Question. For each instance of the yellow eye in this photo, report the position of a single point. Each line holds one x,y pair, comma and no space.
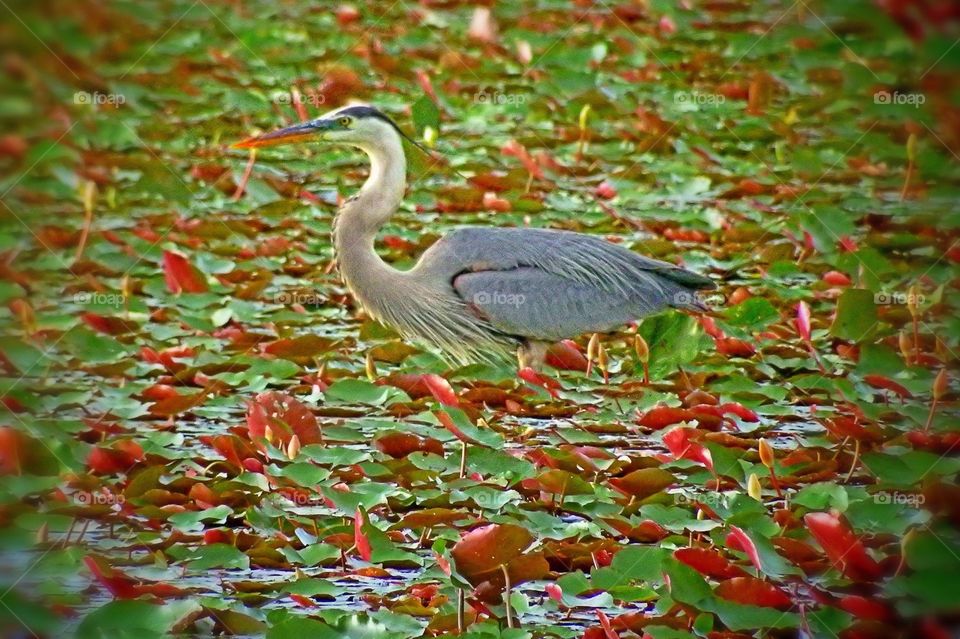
345,122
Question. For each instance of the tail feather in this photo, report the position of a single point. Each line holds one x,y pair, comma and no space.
688,279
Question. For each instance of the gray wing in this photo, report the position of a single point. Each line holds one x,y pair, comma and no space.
553,284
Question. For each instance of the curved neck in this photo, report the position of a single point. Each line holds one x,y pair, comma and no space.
363,214
358,220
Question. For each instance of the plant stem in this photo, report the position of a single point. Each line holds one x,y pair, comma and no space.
247,171
906,181
853,465
506,595
916,340
87,222
933,409
775,482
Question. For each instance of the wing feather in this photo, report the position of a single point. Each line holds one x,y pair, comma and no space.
584,258
532,303
550,284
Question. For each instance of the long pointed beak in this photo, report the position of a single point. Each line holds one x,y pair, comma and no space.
288,134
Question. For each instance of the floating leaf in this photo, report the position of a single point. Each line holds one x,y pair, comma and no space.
842,546
856,317
180,275
284,417
482,551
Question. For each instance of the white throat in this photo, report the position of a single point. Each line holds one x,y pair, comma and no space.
356,224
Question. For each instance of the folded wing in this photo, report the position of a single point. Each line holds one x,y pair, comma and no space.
548,284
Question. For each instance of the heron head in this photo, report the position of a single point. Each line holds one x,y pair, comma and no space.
356,125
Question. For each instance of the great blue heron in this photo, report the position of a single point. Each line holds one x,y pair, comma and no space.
479,290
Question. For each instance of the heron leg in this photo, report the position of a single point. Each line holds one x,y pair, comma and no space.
532,354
